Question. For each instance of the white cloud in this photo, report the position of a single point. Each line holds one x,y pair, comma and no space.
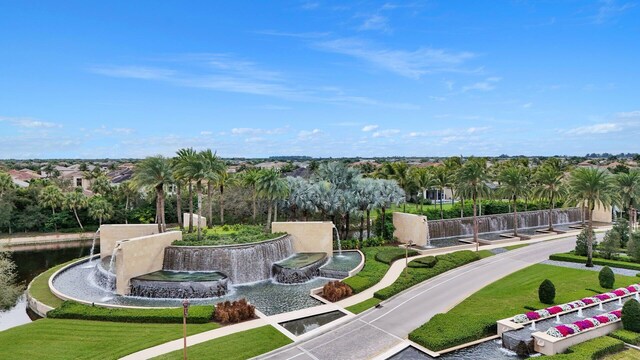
487,85
609,10
307,134
442,133
368,128
527,105
206,133
602,128
257,131
411,64
133,72
375,22
385,133
29,123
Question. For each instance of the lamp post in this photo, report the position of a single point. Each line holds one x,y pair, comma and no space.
185,313
406,256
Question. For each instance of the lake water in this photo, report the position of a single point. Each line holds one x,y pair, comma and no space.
30,264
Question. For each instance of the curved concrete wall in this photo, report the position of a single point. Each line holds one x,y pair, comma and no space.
110,234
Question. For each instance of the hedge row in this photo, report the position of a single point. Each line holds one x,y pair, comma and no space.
372,272
598,261
74,310
416,275
627,336
425,262
390,255
591,350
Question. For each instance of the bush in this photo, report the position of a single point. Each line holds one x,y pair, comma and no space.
631,315
416,275
546,292
336,290
425,262
389,255
610,244
630,337
74,310
604,262
387,234
581,242
234,312
372,272
633,246
591,350
622,228
606,277
227,235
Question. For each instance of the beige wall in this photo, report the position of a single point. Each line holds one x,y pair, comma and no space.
308,236
410,227
185,221
109,234
141,255
601,214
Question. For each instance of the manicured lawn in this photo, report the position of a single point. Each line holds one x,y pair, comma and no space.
513,247
242,345
629,354
476,316
364,305
373,270
591,350
411,207
54,339
570,257
40,287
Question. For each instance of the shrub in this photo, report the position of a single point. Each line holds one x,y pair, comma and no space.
10,289
633,246
622,228
591,350
631,315
606,277
581,242
387,234
630,337
234,312
336,290
372,272
227,235
425,262
547,292
610,244
74,310
389,255
604,262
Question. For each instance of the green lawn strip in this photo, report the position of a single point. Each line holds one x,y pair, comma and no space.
591,350
241,345
74,310
485,253
627,354
373,270
513,247
391,254
476,316
598,261
57,339
40,286
627,336
364,305
416,275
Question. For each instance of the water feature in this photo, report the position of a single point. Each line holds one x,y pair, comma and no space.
338,238
93,244
301,326
338,267
489,350
501,222
112,259
171,284
243,263
299,268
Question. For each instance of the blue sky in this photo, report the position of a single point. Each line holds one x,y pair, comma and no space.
259,78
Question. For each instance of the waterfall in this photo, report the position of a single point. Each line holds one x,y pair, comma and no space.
241,263
112,261
501,222
93,244
338,237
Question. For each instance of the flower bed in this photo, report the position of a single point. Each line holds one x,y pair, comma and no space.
562,331
553,310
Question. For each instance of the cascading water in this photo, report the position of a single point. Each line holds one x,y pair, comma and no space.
112,261
93,245
338,237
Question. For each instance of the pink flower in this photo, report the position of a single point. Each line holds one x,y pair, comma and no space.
532,315
564,330
603,319
554,310
618,292
587,301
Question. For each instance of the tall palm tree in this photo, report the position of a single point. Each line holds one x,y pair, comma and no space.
472,183
129,191
629,189
215,173
249,180
389,193
178,182
100,209
452,165
402,175
550,186
365,197
442,180
424,180
592,187
154,172
271,187
101,185
181,166
514,184
74,201
51,196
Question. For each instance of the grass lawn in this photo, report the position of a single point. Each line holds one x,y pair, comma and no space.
373,270
54,339
40,287
411,207
364,305
628,354
241,345
476,316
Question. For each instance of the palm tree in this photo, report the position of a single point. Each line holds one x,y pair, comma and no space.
215,173
101,185
549,180
451,167
51,197
629,189
592,187
100,209
365,197
514,184
182,160
249,179
401,174
129,192
389,193
74,201
424,180
178,181
442,180
472,183
271,187
154,172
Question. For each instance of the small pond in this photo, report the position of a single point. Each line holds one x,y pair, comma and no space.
301,326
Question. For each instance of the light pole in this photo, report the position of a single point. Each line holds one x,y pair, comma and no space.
185,313
406,257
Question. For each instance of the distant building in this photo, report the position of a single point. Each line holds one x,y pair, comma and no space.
23,177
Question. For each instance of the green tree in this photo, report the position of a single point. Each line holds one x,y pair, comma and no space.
547,292
581,242
403,177
549,185
629,192
442,180
591,187
606,277
472,184
631,315
514,184
9,290
249,179
633,247
424,180
101,185
154,172
100,209
610,244
181,170
271,187
51,197
74,201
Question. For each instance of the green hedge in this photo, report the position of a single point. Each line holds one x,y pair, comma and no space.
591,350
627,336
425,262
74,310
604,262
389,255
416,275
372,272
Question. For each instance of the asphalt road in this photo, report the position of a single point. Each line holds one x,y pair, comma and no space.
378,330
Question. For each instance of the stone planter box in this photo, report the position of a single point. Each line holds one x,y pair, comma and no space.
549,345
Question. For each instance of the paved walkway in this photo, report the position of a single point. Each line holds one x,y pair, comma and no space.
377,330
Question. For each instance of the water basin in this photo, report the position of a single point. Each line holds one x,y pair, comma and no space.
304,325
